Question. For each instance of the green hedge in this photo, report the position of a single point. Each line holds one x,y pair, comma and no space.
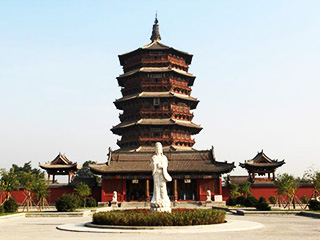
251,201
125,218
67,203
1,209
314,205
263,205
10,206
272,200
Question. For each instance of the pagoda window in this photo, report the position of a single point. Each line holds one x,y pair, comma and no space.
146,134
156,103
155,53
156,134
156,75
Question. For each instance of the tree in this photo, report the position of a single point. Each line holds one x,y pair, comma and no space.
41,192
245,189
28,180
82,190
234,190
287,186
313,176
85,171
9,182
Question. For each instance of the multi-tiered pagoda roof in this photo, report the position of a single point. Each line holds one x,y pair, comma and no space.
156,102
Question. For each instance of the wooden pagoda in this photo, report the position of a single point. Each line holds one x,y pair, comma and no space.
61,165
261,165
156,102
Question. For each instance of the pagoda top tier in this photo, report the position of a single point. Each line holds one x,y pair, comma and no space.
155,46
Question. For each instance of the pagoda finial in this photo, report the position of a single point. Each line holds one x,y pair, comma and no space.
155,30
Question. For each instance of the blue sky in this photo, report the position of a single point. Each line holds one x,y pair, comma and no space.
256,62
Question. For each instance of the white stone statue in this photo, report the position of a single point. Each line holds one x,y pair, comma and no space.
115,197
160,200
208,196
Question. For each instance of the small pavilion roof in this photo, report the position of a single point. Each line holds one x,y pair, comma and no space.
60,162
261,160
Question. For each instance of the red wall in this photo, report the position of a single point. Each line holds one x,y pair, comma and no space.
110,185
212,184
55,193
268,191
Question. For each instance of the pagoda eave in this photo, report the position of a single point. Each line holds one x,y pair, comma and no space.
155,46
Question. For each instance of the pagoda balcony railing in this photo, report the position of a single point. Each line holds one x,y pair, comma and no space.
155,111
155,139
144,139
155,60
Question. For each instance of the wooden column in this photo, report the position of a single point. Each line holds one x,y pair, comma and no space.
53,178
69,177
147,190
220,186
175,189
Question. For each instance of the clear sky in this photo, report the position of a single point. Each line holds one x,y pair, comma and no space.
256,62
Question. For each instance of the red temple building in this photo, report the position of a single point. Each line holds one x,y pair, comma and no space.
156,102
61,165
261,168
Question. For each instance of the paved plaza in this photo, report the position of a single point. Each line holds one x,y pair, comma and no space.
276,227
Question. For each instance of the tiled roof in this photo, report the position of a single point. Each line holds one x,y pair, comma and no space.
178,162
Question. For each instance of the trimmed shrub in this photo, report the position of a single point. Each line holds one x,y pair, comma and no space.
262,205
251,201
314,205
82,202
127,218
305,199
91,202
272,200
240,200
1,209
10,206
232,201
67,203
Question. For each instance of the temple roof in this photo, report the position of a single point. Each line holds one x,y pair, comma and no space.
190,161
156,69
156,121
261,161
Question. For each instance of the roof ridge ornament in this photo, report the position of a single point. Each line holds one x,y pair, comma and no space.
155,37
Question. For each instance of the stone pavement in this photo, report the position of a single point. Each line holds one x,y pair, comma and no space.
276,227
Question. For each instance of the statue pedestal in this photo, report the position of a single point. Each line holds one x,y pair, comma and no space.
114,204
160,209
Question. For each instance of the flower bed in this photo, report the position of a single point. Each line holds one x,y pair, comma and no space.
144,218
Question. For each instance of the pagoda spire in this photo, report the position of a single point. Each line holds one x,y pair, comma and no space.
155,31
